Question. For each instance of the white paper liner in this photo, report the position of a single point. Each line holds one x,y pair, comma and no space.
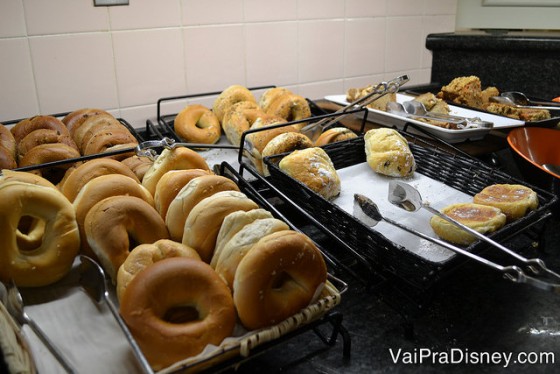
91,340
360,178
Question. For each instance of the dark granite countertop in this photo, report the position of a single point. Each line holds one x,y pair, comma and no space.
511,61
496,39
473,313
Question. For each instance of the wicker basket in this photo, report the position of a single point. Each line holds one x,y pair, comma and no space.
462,173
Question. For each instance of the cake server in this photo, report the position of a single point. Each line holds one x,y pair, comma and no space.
368,213
408,198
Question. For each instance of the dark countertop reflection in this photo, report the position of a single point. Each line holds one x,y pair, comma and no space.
471,314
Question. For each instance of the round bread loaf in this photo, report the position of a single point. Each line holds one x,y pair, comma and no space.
482,218
514,200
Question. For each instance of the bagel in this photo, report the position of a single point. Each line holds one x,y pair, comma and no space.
98,120
145,255
100,188
280,275
335,134
514,200
138,164
290,107
197,124
284,143
239,118
482,218
231,225
256,142
191,194
241,243
177,158
122,151
117,224
22,176
26,126
43,261
205,219
76,178
94,125
170,184
109,139
77,117
7,161
272,94
43,136
7,140
175,308
45,153
231,95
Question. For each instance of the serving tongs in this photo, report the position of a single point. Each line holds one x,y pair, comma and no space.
93,281
368,213
415,109
408,198
144,149
520,100
16,308
313,130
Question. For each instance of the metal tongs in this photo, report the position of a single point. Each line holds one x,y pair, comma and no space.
143,149
313,130
408,198
520,100
146,148
416,109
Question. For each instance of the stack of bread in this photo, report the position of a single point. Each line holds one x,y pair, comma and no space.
179,236
467,91
42,139
236,110
8,151
489,211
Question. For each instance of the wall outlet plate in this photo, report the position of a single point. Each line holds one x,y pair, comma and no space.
109,2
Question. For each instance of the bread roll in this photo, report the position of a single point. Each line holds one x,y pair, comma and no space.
388,153
482,218
314,168
514,200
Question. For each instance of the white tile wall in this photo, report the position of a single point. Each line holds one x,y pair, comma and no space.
61,55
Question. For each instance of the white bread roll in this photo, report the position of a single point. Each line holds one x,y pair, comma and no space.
387,153
314,168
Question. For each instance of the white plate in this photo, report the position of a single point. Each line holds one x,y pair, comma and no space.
448,135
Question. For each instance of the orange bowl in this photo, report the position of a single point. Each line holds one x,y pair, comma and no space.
535,146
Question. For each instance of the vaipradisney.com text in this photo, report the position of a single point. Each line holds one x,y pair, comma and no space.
463,356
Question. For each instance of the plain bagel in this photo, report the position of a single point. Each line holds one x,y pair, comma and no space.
280,275
175,308
205,219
